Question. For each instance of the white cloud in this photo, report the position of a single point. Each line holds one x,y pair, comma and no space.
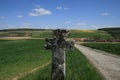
93,26
20,16
66,8
39,12
99,26
26,25
36,5
105,14
61,8
81,24
67,22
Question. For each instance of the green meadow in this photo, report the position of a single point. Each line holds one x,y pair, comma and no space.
19,56
77,68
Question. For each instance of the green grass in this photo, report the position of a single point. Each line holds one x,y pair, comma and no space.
113,48
24,55
21,56
115,32
77,68
34,34
15,34
41,74
42,34
89,33
48,33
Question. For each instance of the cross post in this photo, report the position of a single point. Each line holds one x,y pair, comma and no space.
59,44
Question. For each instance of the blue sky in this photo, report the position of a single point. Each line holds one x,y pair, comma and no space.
67,14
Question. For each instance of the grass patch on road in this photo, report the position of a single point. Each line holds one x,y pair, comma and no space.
113,48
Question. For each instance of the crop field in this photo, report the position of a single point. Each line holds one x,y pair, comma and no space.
34,34
89,33
18,56
113,48
115,32
42,34
48,33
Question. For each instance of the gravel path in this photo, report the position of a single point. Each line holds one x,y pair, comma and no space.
107,64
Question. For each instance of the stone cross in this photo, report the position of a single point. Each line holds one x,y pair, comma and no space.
59,44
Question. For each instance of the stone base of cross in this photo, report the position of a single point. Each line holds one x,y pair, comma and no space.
59,44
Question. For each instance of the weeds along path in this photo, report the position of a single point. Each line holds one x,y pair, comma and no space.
29,72
108,65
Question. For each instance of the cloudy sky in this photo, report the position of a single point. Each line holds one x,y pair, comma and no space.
68,14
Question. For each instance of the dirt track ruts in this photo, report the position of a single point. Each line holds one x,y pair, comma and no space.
107,64
33,70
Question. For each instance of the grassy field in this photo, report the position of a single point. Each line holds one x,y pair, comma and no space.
48,33
21,56
115,32
77,68
89,33
113,48
42,34
34,34
24,55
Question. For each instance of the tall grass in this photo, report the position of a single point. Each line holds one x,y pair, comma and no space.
77,68
24,55
113,48
21,56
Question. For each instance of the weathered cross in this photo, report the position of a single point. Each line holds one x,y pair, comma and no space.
59,44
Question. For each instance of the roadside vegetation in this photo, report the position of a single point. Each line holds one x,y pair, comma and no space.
77,68
113,48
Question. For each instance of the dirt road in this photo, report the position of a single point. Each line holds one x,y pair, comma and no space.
107,64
